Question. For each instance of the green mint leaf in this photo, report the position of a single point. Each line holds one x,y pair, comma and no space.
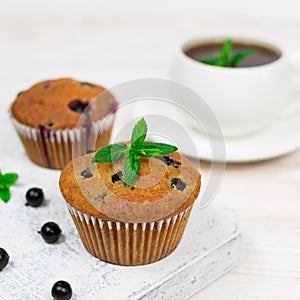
8,179
241,55
226,52
224,59
139,133
131,169
132,151
138,148
5,195
213,60
110,153
153,149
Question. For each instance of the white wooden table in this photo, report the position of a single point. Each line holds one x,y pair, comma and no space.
113,41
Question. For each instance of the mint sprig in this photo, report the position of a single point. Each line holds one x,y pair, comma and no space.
131,169
111,153
241,55
225,58
138,148
6,181
152,149
139,133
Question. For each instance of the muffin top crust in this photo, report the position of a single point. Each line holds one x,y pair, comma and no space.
165,187
59,104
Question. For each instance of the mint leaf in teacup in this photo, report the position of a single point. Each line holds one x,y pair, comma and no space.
225,58
241,55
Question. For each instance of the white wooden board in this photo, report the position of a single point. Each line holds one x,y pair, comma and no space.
208,249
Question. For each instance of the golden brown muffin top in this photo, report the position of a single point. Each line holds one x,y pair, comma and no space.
166,186
58,104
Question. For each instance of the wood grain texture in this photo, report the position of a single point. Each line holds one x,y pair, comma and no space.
266,198
111,42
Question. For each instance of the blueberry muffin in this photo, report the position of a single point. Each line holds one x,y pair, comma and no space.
63,118
130,225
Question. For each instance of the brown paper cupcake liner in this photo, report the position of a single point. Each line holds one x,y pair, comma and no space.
129,244
55,148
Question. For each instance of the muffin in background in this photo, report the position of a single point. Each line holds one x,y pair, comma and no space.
130,225
63,118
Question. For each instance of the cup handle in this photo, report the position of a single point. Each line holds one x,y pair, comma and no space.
295,104
295,63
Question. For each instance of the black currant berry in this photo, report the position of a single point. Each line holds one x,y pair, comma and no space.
86,173
117,177
4,258
178,183
78,105
169,161
34,197
61,290
86,83
50,232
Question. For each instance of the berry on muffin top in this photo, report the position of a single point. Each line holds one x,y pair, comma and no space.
58,104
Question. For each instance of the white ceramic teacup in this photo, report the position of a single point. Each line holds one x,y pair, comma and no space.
245,99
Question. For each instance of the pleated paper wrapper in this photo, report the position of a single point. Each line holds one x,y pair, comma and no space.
55,148
129,244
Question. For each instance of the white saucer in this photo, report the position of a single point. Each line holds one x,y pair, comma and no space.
282,137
